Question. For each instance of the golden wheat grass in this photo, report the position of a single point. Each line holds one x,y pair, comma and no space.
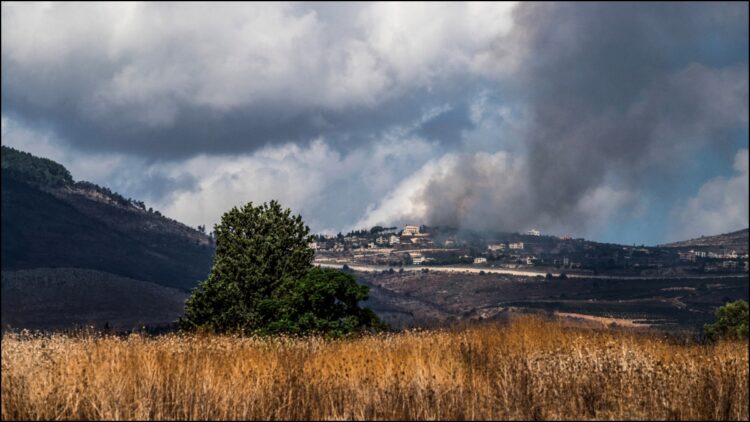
528,370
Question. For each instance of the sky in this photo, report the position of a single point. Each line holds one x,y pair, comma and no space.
618,122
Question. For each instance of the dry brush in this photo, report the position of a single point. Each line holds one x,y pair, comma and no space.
529,370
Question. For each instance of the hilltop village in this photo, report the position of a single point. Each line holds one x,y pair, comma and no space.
530,250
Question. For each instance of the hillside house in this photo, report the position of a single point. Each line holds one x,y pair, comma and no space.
416,258
410,230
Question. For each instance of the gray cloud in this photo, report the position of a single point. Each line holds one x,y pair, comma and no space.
168,81
484,115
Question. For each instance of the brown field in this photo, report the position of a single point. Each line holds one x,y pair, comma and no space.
529,370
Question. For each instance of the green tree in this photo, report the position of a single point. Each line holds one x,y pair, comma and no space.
731,322
257,248
261,273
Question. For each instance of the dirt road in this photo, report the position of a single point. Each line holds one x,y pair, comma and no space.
523,273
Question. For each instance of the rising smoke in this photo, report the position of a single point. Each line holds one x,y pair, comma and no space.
618,94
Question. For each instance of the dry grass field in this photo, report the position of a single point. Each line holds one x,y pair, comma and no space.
529,370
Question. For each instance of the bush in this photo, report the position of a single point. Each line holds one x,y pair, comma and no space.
731,322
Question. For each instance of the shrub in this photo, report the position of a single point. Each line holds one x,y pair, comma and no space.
731,322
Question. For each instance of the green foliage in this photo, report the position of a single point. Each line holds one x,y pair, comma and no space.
731,322
324,301
39,171
262,280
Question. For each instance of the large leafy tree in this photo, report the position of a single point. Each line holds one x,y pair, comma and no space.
263,281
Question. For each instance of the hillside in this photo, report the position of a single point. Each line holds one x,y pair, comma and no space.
737,241
50,221
66,297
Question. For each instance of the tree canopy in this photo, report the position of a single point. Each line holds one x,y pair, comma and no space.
731,322
263,280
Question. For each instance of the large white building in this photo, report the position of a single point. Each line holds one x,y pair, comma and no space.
533,232
480,260
496,247
410,230
518,245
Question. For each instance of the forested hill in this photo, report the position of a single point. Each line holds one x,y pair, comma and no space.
51,221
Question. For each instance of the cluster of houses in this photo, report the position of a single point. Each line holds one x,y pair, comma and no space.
416,246
730,260
419,245
694,255
495,247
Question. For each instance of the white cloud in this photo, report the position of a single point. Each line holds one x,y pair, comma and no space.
328,188
720,205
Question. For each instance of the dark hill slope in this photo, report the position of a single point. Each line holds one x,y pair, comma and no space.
50,221
63,298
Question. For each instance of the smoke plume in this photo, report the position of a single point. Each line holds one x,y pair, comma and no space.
618,96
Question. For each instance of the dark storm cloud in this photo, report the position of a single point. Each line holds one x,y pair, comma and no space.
615,90
160,81
202,130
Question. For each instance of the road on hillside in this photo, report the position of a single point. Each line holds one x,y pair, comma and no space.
523,273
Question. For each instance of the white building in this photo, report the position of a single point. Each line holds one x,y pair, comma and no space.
496,247
381,240
394,240
416,258
480,260
518,245
533,232
410,230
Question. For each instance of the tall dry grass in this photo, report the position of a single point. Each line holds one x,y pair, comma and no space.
529,370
